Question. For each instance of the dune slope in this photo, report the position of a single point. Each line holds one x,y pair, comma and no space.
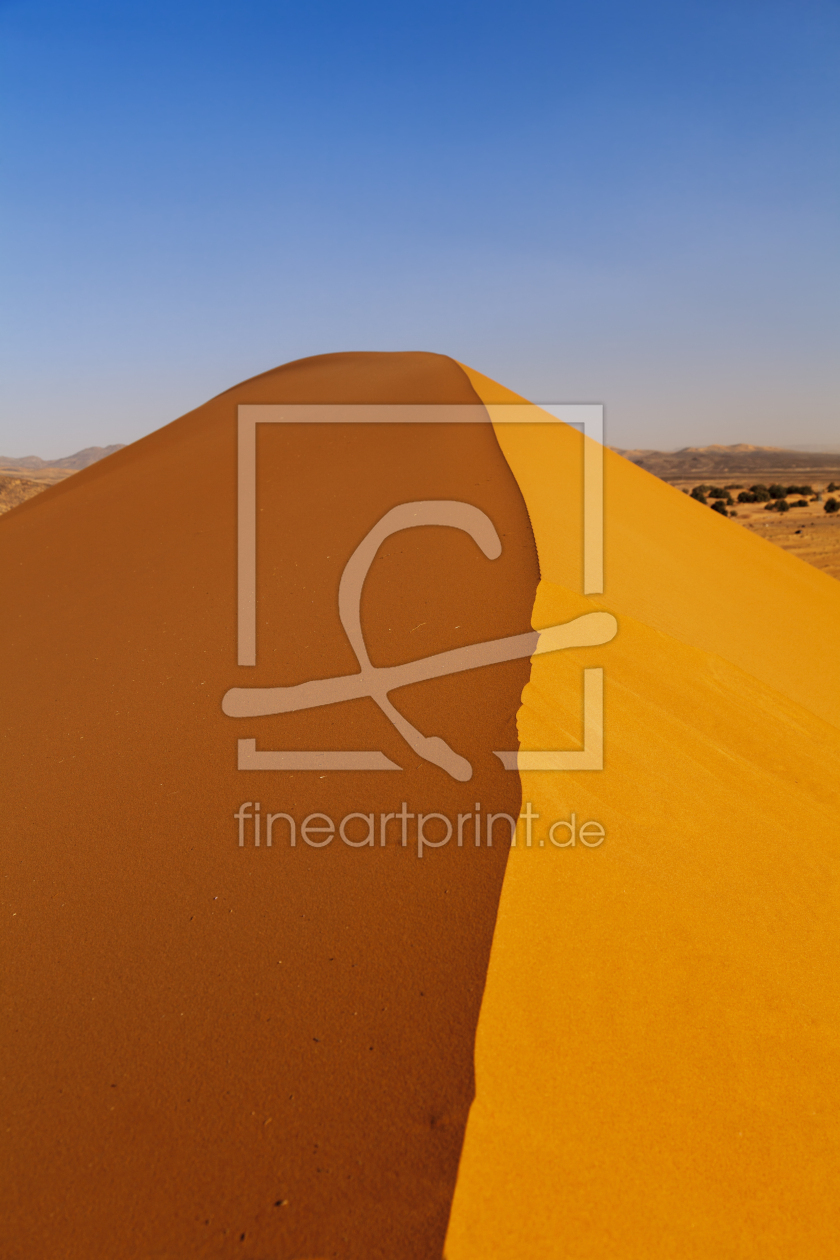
260,1052
658,1052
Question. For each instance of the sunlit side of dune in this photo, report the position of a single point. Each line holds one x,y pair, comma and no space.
657,1059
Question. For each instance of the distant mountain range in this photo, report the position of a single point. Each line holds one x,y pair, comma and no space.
689,461
742,458
21,479
34,463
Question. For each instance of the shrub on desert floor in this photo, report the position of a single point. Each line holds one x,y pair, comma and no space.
831,505
720,506
698,494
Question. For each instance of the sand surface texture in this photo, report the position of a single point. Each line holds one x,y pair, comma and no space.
246,1052
658,1053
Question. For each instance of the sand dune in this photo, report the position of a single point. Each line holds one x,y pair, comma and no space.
215,1050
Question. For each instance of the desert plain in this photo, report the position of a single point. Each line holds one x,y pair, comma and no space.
810,533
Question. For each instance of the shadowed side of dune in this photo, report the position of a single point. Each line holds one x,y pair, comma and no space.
221,1050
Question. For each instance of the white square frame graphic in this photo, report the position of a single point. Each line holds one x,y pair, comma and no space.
587,417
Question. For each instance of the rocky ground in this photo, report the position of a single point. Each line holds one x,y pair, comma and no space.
15,490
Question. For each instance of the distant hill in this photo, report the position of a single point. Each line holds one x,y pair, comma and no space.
742,458
90,455
40,473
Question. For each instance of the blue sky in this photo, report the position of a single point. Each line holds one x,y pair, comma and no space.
635,204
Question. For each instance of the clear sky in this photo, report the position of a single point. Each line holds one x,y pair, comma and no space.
630,203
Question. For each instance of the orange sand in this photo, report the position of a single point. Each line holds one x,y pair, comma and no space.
224,1052
657,1062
